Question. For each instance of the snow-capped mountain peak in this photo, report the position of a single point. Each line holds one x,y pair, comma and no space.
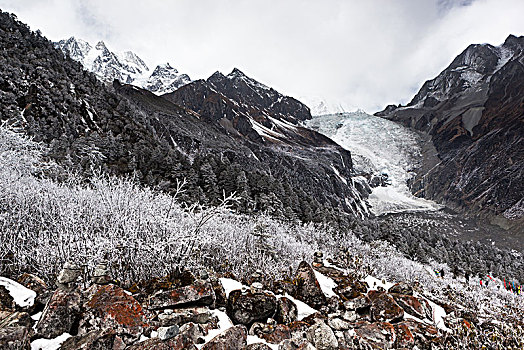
126,66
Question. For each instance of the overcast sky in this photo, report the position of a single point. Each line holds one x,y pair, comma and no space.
362,53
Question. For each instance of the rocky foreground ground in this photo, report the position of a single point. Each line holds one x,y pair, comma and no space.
320,307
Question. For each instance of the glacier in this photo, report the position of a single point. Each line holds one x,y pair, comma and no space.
381,148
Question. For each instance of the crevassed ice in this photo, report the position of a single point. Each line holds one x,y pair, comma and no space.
379,146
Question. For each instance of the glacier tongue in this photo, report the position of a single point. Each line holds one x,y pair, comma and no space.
381,148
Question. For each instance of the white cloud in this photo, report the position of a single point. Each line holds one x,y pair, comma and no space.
364,53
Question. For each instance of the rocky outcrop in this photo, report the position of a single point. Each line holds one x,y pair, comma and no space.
307,288
246,308
61,314
233,338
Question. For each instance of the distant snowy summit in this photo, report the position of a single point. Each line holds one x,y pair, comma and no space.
126,66
321,106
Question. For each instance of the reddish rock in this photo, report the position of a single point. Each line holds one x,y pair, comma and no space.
233,338
421,332
307,287
199,293
384,308
110,307
60,315
405,338
401,288
33,282
274,334
428,309
250,307
379,334
349,289
314,318
410,304
287,311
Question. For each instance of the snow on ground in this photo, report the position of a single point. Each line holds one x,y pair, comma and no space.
224,323
253,339
22,296
230,285
374,283
49,344
304,310
326,284
438,314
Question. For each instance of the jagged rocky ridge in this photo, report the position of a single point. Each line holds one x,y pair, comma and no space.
474,114
126,67
219,138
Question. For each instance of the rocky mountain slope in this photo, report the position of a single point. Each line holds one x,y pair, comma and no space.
224,135
126,66
474,114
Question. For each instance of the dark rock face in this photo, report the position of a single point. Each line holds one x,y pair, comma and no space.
411,305
61,314
401,288
287,311
248,308
384,308
380,334
200,293
15,338
6,300
231,339
474,113
94,340
307,287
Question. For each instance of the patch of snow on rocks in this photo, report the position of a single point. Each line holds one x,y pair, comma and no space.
304,310
326,284
230,285
49,344
22,296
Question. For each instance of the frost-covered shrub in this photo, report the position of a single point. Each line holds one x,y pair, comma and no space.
146,233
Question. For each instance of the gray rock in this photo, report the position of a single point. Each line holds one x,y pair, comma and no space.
248,308
232,338
322,337
165,333
62,312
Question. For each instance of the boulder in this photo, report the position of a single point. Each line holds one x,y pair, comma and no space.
177,343
349,289
404,337
220,293
384,308
6,300
15,338
246,308
292,344
322,337
43,293
60,315
287,311
14,319
401,288
271,334
379,334
233,338
411,305
165,333
198,293
178,317
257,346
339,324
110,307
423,333
96,339
307,288
357,303
194,332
